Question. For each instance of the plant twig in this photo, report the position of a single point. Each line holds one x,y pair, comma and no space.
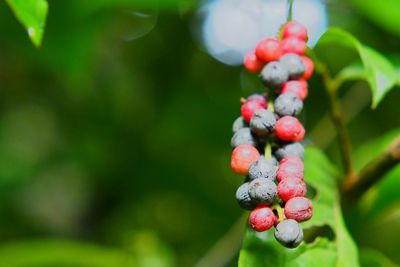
290,10
374,171
226,247
331,86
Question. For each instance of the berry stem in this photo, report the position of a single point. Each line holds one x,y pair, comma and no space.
290,10
268,151
374,171
331,87
226,247
279,210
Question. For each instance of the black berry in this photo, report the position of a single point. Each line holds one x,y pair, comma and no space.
290,149
243,198
238,124
289,233
262,191
243,136
288,104
262,168
293,64
274,74
263,122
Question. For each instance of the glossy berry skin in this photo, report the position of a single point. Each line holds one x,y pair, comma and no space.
298,208
288,105
295,29
238,124
263,122
291,187
262,191
243,198
289,128
291,149
242,157
297,87
252,63
289,233
243,136
274,75
309,67
262,168
268,50
249,107
262,218
290,169
294,65
293,45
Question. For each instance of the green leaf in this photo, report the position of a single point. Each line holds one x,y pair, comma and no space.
385,15
32,14
374,258
374,68
261,249
395,59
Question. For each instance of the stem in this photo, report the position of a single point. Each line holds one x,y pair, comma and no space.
290,10
331,87
226,247
374,170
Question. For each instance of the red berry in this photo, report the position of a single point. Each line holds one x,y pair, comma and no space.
269,50
290,167
293,45
299,209
293,159
295,29
289,128
252,63
242,157
309,67
291,187
298,87
249,107
262,218
258,98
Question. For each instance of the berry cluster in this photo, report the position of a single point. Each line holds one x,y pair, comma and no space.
266,141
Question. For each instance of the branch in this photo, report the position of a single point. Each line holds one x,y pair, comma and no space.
290,10
226,247
331,87
374,170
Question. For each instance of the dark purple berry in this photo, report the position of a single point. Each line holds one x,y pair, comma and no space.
291,149
262,191
293,64
238,124
243,198
243,136
263,122
262,168
288,105
289,233
274,74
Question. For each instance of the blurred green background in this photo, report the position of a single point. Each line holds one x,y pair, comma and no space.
116,152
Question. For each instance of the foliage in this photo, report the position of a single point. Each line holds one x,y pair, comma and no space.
32,14
374,68
261,249
118,149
